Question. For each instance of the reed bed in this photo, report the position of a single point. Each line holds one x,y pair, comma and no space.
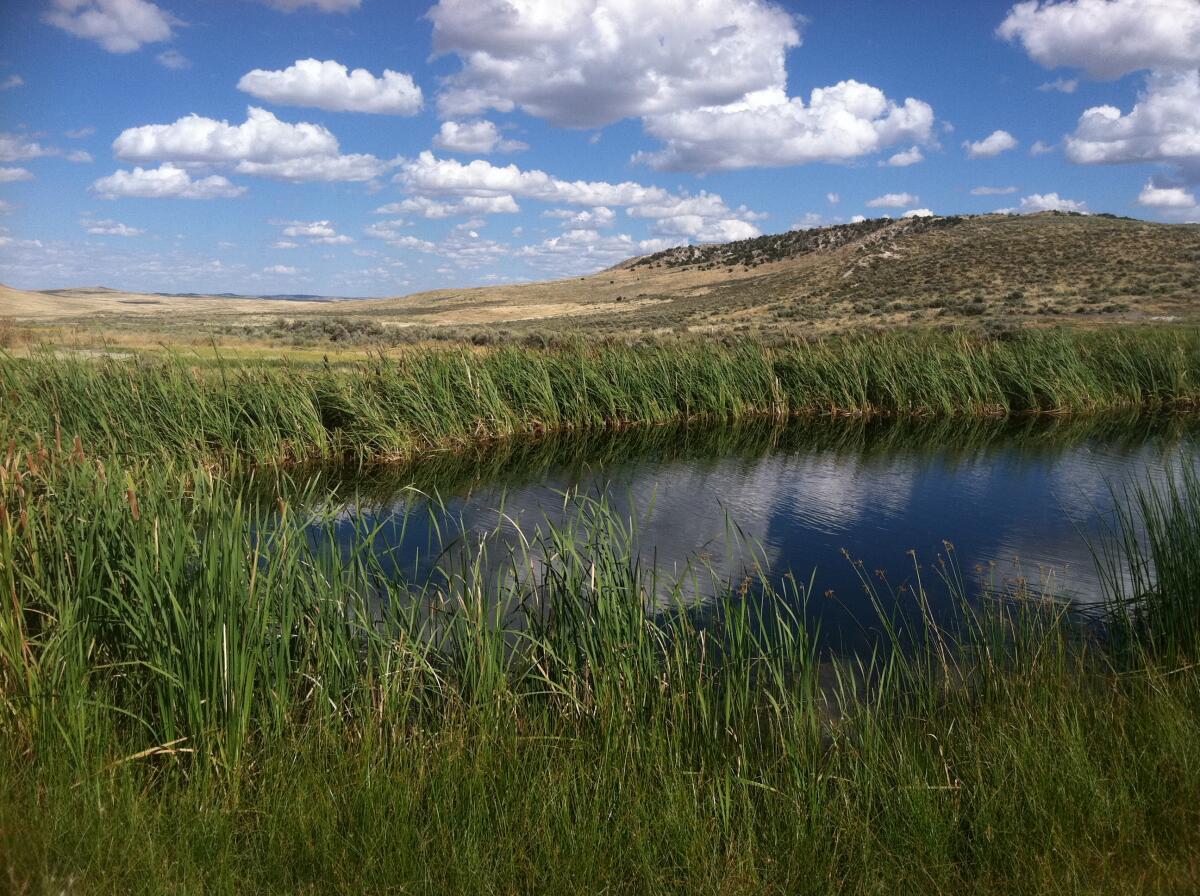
423,400
205,693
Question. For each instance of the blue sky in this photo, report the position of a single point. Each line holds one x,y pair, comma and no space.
364,147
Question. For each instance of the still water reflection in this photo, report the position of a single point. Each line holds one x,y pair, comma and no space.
1018,500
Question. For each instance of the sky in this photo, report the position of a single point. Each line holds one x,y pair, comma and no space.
381,147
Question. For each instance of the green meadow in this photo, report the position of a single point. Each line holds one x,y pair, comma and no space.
202,690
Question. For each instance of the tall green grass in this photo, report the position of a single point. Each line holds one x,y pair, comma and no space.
446,398
203,693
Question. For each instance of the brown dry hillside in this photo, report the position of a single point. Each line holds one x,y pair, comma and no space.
987,270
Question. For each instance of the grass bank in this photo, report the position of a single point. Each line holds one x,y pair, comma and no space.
198,694
398,407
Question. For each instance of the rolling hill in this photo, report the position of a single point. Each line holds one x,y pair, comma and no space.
982,271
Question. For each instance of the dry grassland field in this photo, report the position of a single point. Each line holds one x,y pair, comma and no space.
989,273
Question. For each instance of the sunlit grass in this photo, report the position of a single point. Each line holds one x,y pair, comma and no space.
190,408
202,692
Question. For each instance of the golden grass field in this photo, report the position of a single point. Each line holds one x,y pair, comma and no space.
987,271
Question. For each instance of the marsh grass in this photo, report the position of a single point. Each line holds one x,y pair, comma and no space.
204,693
446,398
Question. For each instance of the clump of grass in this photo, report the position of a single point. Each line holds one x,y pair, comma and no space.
258,707
432,399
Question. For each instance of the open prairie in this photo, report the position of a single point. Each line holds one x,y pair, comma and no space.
997,272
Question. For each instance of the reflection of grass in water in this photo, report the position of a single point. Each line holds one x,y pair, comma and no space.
515,462
394,408
195,698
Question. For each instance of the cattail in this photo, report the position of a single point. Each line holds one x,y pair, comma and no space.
78,452
131,497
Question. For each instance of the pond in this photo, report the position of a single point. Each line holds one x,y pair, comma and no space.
1005,503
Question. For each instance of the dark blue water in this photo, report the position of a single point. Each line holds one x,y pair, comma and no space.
1006,505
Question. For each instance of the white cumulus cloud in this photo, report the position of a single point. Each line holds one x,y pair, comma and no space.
429,207
893,200
1163,126
318,232
119,26
475,137
194,138
588,63
164,182
906,157
706,77
1107,38
1166,197
917,213
1175,203
19,148
331,86
842,122
1046,202
990,146
263,146
10,175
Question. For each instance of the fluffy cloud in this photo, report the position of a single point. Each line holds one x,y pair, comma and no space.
1041,148
430,175
587,219
261,138
1175,203
262,146
768,128
1047,202
1107,38
907,157
990,146
321,233
917,213
428,207
354,167
588,63
119,26
993,191
390,233
19,148
893,200
476,137
164,182
1163,126
707,77
444,187
110,228
279,269
583,250
9,175
11,81
1166,197
331,86
703,218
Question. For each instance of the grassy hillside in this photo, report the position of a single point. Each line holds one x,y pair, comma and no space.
987,272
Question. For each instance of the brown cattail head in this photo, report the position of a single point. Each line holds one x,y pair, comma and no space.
134,510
